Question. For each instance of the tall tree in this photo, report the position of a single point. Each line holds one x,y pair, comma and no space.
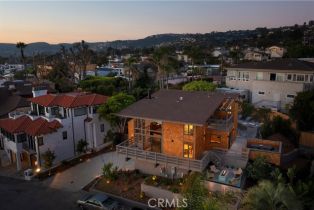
302,110
131,70
22,46
113,105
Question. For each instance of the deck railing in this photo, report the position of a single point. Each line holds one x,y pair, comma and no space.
131,151
221,124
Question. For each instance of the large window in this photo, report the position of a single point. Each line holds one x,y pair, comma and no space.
80,111
259,76
272,77
187,150
280,77
21,138
55,111
300,77
215,139
188,129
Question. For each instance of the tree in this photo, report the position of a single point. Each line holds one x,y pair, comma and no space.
246,109
279,125
48,157
60,75
267,195
302,110
22,46
199,86
81,146
165,64
259,169
195,192
131,70
114,105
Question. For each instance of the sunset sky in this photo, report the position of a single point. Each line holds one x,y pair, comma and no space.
57,22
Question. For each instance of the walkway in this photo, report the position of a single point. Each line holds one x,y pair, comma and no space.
75,178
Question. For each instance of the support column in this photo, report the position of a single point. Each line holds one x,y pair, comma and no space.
18,161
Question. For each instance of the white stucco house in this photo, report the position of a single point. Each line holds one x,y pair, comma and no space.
272,84
56,122
275,51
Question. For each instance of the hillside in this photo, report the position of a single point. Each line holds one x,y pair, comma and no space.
260,37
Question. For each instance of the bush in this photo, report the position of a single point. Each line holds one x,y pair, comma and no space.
259,169
81,146
48,158
247,109
110,172
114,137
199,86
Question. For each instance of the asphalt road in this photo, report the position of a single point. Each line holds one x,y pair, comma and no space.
24,195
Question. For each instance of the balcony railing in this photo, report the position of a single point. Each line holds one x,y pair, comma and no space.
221,124
130,150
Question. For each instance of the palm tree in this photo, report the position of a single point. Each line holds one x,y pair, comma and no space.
22,46
164,62
268,196
131,70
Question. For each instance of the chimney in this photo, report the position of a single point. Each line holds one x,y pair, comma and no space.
39,91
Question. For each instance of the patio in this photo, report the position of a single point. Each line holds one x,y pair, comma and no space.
225,175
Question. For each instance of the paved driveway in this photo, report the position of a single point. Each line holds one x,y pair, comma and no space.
75,178
24,195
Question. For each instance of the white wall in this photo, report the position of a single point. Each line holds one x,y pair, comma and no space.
63,149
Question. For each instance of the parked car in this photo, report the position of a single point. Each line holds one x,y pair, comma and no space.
97,201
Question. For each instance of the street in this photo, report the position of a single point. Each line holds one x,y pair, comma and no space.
24,195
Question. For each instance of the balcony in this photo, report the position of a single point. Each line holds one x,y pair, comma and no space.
130,150
221,124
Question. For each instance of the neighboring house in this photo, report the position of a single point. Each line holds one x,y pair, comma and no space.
43,71
173,131
275,51
24,88
56,122
255,56
272,84
10,102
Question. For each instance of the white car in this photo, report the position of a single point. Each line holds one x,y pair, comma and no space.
96,202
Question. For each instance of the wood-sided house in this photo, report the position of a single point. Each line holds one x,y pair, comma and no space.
174,130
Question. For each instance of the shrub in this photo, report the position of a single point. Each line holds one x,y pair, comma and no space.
81,146
110,172
259,169
48,158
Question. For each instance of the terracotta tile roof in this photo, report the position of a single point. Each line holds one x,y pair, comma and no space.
25,124
70,100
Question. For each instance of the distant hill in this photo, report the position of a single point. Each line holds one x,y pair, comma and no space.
260,37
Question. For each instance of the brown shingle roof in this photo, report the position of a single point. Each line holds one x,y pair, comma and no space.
279,64
194,108
9,102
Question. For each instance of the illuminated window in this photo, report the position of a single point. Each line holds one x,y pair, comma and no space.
187,150
188,129
215,139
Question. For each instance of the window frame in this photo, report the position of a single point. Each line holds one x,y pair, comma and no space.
189,131
64,135
189,150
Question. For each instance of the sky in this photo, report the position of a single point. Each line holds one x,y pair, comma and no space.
61,22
